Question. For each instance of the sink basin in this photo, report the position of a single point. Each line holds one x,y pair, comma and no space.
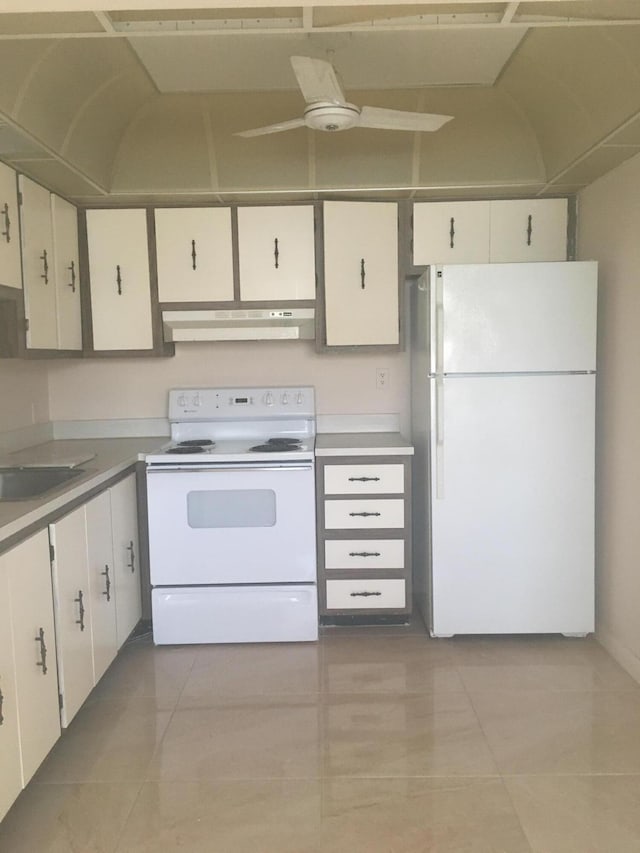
19,484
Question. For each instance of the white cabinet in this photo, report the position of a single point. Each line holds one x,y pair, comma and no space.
10,261
276,248
102,591
64,217
38,266
361,273
194,253
34,645
119,279
478,232
10,773
126,562
529,230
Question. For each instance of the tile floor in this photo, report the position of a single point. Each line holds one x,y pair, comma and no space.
372,741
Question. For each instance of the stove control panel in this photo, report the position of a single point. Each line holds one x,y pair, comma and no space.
236,403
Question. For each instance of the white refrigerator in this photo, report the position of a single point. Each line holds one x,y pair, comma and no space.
503,399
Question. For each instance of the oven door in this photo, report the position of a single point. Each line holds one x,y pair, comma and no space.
230,524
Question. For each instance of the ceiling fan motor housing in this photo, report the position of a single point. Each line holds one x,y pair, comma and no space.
324,115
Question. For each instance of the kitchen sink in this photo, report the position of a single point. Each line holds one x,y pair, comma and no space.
19,484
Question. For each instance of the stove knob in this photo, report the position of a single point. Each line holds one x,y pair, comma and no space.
299,398
182,401
285,399
196,400
268,399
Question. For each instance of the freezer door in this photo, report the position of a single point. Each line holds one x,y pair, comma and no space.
512,505
506,318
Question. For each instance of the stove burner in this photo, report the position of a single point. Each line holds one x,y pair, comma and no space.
197,442
284,440
189,448
275,445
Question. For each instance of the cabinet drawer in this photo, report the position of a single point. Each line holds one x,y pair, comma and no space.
365,514
364,554
363,479
365,594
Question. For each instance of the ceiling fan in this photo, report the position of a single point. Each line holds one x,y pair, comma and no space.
328,109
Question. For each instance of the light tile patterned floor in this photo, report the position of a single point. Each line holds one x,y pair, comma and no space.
371,741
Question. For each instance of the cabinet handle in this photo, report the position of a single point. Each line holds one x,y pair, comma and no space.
529,229
45,266
364,479
452,232
132,564
7,223
364,514
79,601
362,273
118,279
276,253
364,553
193,254
107,582
1,707
43,651
363,594
72,270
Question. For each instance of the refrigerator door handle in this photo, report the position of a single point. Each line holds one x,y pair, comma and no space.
439,329
439,422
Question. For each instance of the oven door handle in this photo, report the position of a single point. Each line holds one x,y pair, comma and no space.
212,469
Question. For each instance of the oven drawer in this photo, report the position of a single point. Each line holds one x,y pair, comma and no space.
366,594
364,554
363,479
351,514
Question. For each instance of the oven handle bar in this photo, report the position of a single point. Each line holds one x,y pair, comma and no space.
208,469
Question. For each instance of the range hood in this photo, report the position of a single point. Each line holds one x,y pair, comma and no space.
251,324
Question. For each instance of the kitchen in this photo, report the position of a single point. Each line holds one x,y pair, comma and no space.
135,389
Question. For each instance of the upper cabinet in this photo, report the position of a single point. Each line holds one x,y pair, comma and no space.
194,253
276,247
477,232
50,265
10,265
361,279
119,279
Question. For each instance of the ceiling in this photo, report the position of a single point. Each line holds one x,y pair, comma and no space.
140,104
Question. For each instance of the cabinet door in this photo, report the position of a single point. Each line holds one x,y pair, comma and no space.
101,583
34,646
120,284
10,774
124,517
39,267
451,232
72,611
194,251
10,261
277,253
529,230
64,217
361,273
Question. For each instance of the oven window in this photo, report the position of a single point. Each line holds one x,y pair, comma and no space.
232,508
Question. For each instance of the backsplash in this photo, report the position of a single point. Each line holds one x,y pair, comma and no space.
24,403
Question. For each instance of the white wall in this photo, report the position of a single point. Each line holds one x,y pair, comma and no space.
609,225
24,397
137,388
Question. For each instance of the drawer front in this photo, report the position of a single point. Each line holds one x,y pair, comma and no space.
364,554
363,479
365,594
372,514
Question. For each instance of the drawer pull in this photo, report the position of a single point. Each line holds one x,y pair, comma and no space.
364,479
365,514
363,594
364,553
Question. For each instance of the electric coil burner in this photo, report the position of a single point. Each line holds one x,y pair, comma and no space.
232,518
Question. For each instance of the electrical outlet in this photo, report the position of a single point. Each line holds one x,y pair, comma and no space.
382,377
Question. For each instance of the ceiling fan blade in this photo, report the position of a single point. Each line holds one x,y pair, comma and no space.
272,128
381,119
317,80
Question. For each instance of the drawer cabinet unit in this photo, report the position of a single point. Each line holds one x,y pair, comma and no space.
10,261
364,540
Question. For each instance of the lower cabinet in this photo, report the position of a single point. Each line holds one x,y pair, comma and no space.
30,693
102,590
126,561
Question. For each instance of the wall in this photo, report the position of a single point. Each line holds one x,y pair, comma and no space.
137,388
24,402
609,223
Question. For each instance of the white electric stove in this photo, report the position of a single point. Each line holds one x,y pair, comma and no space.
232,518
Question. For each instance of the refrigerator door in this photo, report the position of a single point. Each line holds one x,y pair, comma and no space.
509,318
512,505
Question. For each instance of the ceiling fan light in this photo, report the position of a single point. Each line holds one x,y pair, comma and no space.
331,117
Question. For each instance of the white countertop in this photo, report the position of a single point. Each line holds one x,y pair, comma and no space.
362,444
